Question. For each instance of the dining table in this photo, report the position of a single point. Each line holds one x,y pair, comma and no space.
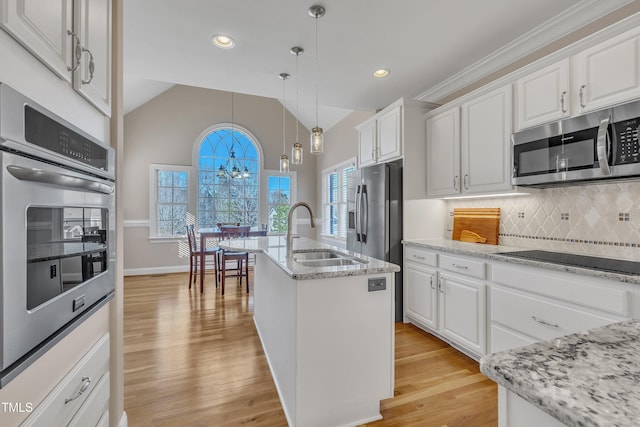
216,233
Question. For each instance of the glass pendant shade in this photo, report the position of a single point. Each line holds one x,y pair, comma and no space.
245,172
317,144
284,163
296,154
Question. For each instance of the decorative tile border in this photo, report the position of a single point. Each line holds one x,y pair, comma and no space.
565,240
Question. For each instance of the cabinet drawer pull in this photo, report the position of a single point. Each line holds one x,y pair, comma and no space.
86,382
542,322
418,257
431,282
582,88
440,280
465,183
464,267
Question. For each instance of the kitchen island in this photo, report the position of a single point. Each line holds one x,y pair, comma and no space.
327,331
590,378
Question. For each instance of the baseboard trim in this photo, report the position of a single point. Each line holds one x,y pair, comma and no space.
156,270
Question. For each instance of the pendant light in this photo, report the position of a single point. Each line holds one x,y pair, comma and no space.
232,169
296,148
284,159
317,143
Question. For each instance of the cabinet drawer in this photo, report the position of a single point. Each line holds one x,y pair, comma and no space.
60,406
541,319
463,266
96,405
421,256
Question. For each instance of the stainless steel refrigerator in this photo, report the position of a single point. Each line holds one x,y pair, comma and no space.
374,203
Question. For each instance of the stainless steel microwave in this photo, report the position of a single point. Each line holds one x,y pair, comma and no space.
599,145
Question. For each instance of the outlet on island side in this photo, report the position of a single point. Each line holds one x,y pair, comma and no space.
377,284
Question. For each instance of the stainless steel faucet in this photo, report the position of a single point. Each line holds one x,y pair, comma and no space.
289,235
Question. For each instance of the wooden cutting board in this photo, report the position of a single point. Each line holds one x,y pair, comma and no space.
482,221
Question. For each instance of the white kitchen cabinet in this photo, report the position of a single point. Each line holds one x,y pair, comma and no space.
447,297
468,151
93,77
367,144
543,96
443,153
485,142
82,397
42,26
530,304
421,280
71,37
608,73
381,137
389,132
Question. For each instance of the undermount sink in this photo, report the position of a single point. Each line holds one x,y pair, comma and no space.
325,258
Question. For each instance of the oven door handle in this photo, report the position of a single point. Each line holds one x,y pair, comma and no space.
59,179
603,146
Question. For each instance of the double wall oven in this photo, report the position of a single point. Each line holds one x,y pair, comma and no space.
57,226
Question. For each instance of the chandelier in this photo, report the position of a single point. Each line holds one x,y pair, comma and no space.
231,168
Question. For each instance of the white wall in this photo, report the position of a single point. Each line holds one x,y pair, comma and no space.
165,130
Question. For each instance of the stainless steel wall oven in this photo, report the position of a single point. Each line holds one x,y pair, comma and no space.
57,226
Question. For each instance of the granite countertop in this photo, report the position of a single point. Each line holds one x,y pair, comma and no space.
590,378
274,246
492,252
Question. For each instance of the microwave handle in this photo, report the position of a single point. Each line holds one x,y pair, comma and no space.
603,146
59,179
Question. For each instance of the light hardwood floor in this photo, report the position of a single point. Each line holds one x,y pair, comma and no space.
196,360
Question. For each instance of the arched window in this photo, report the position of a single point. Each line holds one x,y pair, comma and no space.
228,178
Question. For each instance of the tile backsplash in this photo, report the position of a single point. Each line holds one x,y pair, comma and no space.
594,218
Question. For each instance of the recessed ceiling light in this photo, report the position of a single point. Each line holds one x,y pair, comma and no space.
222,41
382,72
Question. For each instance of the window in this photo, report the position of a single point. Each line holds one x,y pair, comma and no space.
228,181
334,196
169,200
280,194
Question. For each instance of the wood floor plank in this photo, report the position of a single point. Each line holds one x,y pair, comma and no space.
196,360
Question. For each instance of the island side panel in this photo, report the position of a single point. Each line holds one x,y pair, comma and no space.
345,350
275,318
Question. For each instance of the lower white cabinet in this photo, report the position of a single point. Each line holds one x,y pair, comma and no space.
82,397
421,281
530,304
463,311
450,304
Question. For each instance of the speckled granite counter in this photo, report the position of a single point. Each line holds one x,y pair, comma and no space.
493,252
590,378
274,246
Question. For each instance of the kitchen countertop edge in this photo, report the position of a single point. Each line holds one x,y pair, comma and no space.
274,247
491,252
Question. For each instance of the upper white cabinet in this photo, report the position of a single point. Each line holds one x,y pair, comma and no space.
382,137
608,73
443,153
543,96
71,37
468,151
598,77
367,143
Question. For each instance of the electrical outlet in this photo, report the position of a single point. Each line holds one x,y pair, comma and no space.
377,284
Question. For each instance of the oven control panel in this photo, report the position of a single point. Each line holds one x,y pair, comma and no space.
627,146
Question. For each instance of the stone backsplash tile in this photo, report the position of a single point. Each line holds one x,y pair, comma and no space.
591,218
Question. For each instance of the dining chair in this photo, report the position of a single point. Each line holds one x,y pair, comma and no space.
194,257
241,258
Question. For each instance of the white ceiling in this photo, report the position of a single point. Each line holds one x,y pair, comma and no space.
422,42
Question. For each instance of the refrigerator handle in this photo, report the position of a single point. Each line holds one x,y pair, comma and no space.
358,213
365,226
